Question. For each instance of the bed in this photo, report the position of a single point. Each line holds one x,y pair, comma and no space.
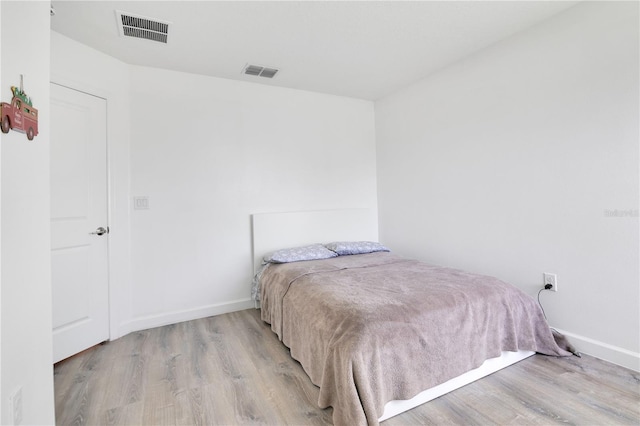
380,334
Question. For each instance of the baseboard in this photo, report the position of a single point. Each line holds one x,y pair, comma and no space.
586,345
604,351
158,320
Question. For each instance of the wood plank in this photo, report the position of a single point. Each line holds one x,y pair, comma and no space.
232,369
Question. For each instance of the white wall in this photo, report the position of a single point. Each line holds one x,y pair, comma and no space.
26,352
506,163
1,393
82,68
210,152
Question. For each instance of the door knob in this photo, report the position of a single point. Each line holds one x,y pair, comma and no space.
100,231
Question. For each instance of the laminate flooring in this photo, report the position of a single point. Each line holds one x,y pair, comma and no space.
231,369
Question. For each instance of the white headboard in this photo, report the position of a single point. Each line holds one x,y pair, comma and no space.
274,231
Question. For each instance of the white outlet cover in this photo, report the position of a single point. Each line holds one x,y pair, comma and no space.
551,279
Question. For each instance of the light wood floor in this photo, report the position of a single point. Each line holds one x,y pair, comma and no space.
231,369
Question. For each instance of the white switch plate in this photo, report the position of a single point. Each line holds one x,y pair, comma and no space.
141,203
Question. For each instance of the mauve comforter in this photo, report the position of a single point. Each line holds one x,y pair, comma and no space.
373,328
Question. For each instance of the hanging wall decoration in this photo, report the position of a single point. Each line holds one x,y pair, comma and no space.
20,114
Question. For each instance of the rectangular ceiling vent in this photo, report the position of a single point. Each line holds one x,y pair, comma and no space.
130,25
260,71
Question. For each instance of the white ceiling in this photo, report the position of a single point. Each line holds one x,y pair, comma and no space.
361,49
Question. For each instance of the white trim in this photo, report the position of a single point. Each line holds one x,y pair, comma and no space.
90,90
158,320
79,86
118,208
610,353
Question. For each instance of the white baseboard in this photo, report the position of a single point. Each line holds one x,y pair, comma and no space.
604,351
586,345
158,320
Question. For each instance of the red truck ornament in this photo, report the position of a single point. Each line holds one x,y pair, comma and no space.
20,114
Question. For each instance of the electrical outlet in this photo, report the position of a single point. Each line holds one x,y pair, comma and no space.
551,279
15,401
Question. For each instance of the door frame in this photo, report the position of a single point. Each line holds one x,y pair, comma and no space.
118,203
107,194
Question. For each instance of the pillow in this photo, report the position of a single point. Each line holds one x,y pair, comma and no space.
355,247
296,254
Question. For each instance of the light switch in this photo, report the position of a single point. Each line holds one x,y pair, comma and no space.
141,203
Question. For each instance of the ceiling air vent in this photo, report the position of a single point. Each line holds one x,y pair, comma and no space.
137,26
260,71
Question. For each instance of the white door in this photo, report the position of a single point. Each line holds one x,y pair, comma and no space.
79,263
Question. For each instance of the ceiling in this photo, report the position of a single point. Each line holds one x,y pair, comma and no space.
361,49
